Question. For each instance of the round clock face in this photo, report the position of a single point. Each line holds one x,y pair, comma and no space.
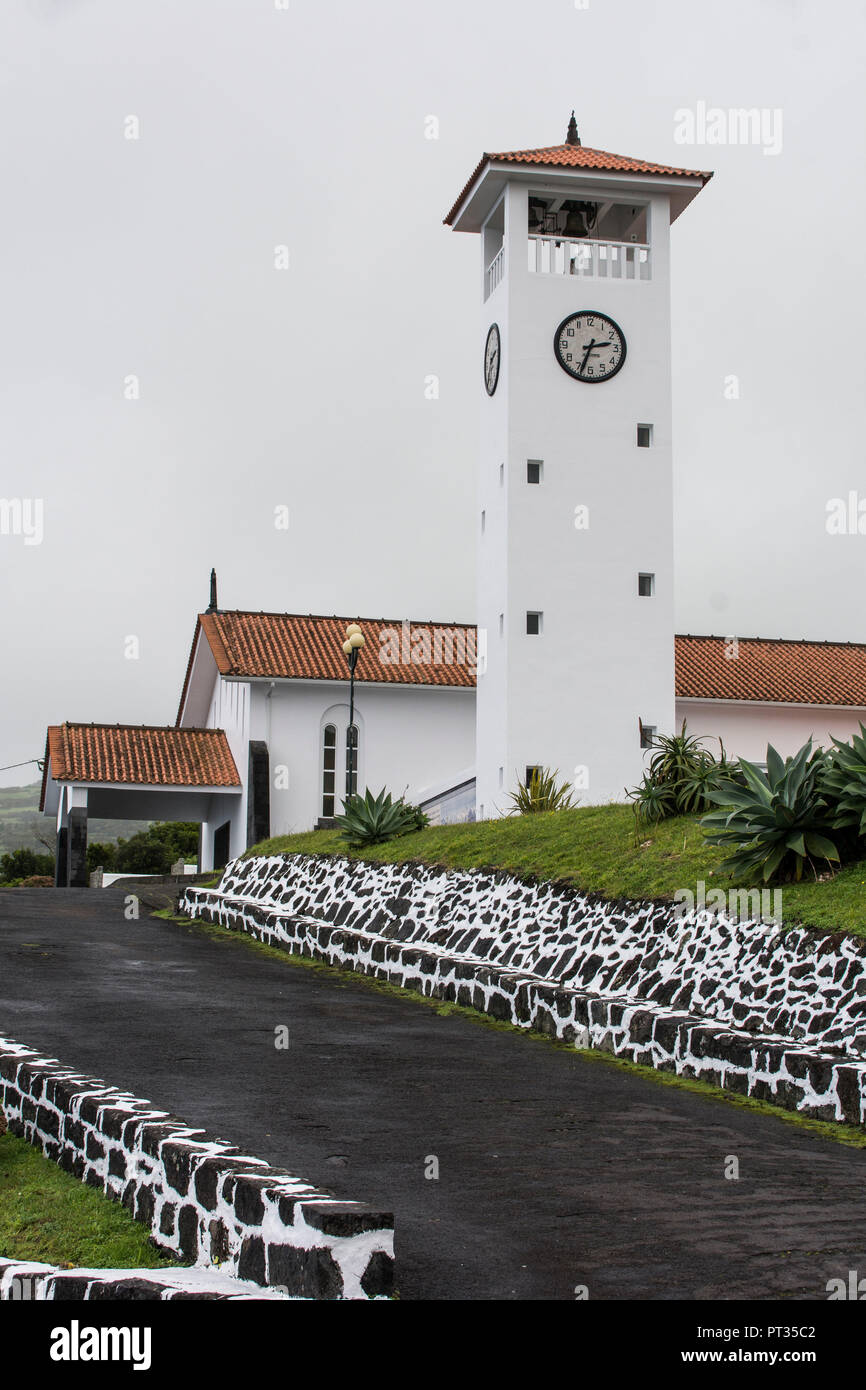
491,359
589,346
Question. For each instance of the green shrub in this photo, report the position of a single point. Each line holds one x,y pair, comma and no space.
154,850
180,838
368,819
419,819
540,794
775,821
101,856
25,863
678,779
653,801
845,784
142,855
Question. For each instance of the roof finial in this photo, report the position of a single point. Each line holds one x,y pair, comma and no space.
572,137
212,606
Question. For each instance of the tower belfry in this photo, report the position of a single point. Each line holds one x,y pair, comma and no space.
575,525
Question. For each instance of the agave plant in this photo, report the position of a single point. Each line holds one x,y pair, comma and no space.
677,756
540,793
653,801
678,778
776,821
369,819
845,783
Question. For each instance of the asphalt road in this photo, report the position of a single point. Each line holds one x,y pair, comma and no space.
554,1171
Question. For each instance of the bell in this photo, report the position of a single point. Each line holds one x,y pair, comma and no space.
582,218
575,225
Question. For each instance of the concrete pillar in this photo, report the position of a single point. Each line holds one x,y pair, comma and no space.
60,860
77,876
222,845
258,793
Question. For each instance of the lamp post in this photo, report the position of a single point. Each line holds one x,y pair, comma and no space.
352,648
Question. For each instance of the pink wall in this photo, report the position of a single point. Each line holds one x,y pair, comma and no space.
747,729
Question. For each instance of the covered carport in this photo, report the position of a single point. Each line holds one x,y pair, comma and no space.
132,772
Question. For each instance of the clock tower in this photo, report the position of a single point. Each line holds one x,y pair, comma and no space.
574,518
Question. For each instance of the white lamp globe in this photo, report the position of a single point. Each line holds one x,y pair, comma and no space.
347,647
357,639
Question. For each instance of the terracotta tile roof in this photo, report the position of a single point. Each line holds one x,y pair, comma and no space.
139,756
806,673
292,646
576,157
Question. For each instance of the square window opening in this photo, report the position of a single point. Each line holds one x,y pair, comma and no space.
534,624
646,585
534,470
644,436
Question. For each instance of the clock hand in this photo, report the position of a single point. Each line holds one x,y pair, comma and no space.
590,349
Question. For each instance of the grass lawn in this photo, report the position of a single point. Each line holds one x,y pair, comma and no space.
48,1215
596,849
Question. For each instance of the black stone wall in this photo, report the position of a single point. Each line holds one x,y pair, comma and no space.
202,1199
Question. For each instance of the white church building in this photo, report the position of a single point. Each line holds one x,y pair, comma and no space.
574,664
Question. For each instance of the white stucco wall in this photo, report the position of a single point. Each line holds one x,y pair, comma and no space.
573,696
408,736
229,709
746,729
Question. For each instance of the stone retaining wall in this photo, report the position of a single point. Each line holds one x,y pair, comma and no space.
202,1198
779,1016
24,1281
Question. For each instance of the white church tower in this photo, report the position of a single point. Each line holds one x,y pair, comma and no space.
575,525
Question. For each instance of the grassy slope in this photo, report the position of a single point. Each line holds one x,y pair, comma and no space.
48,1215
595,848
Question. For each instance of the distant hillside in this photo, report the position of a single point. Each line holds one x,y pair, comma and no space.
22,826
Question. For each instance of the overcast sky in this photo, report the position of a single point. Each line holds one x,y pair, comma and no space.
259,387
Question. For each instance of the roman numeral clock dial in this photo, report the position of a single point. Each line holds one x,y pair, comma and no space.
589,346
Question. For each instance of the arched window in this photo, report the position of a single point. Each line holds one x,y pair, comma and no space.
352,738
329,768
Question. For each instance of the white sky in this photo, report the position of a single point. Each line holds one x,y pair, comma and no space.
306,127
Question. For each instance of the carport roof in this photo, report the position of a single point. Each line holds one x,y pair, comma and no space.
138,756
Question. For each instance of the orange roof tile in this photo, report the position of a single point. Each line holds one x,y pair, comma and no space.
776,671
292,646
577,157
139,756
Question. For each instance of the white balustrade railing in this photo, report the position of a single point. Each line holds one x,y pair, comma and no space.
494,273
613,260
